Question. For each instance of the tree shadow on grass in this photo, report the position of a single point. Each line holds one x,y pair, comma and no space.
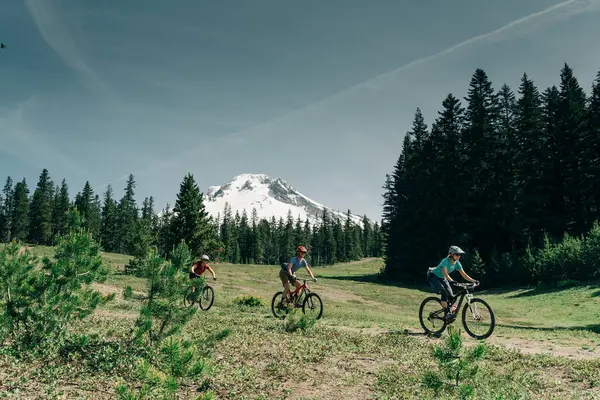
591,327
553,289
376,278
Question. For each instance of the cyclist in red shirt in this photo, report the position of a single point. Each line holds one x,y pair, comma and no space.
199,267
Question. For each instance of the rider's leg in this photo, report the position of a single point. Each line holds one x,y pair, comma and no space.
298,285
285,281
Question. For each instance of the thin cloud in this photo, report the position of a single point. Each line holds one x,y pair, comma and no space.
59,38
548,15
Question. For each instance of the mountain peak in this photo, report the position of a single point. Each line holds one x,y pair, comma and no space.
270,197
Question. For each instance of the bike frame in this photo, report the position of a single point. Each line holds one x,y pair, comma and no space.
304,288
463,293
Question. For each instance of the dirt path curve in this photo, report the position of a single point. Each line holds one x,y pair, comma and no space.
525,346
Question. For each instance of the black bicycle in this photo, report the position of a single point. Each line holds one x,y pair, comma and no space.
310,302
477,316
204,298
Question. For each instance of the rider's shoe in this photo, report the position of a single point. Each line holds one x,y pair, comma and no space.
449,317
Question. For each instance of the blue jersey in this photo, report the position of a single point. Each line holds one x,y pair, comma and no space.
296,265
449,266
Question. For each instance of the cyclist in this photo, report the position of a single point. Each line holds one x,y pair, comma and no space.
199,267
440,281
287,274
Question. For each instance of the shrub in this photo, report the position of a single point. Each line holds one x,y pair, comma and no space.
39,304
455,365
163,312
249,301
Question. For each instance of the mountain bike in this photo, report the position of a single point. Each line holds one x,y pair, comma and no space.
478,312
310,302
204,299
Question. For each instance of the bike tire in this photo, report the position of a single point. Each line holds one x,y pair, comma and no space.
444,323
315,299
211,299
492,324
275,302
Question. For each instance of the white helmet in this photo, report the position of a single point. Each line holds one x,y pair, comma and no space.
455,250
204,257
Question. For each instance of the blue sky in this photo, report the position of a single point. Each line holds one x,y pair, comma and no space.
319,93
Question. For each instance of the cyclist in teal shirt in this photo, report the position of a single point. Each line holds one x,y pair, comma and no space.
439,278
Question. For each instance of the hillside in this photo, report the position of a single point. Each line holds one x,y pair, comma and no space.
367,345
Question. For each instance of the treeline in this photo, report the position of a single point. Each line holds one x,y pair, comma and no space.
122,226
511,178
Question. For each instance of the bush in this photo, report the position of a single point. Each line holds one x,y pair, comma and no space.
163,312
249,301
455,366
39,304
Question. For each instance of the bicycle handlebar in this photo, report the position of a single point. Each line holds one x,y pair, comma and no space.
469,285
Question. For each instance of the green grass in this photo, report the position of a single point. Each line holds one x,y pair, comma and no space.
359,349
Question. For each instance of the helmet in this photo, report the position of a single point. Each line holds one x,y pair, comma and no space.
455,250
204,257
302,249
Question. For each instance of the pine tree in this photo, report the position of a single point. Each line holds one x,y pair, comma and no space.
592,154
529,148
88,205
571,122
257,254
367,237
245,239
190,222
447,207
480,141
377,242
109,225
40,210
552,174
127,216
165,238
20,213
6,209
61,207
226,234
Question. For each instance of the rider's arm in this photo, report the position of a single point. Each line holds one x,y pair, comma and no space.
445,273
211,271
290,265
309,271
467,277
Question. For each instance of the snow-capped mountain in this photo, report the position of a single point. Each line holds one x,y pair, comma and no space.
270,197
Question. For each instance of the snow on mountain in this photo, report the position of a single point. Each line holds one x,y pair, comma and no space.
270,197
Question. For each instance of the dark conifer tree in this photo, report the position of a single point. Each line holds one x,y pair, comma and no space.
6,209
19,227
61,207
190,221
40,210
572,125
109,229
592,154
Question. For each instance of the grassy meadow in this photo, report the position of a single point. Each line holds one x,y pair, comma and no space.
367,345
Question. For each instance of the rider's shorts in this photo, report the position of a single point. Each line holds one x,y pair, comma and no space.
440,285
285,278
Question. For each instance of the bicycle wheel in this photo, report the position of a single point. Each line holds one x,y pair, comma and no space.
431,312
207,298
313,304
279,309
189,298
483,320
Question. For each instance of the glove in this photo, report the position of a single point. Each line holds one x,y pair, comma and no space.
315,279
